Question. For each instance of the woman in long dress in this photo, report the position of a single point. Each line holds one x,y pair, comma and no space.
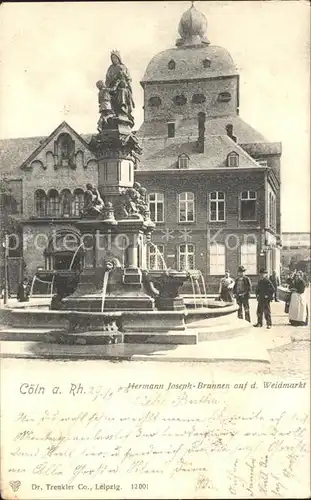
119,83
226,288
298,307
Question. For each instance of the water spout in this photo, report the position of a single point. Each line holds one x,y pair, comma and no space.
204,288
74,255
193,291
159,254
52,285
198,287
32,285
104,289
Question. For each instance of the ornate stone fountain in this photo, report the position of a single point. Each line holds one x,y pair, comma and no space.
115,296
115,225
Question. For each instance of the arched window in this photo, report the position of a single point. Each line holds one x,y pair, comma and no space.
53,203
179,100
171,64
186,207
40,203
154,102
183,161
233,159
198,98
77,202
65,148
65,198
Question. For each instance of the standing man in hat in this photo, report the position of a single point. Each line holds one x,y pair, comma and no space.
242,290
264,292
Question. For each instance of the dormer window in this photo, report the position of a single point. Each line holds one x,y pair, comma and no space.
171,129
183,161
179,100
207,63
171,64
262,163
154,102
224,97
233,159
198,98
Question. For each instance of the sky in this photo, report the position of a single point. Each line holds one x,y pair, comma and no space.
52,54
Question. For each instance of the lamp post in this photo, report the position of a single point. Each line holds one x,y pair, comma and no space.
6,274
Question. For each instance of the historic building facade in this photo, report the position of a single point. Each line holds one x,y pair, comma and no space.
213,181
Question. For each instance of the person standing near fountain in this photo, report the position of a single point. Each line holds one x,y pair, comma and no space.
298,313
23,291
242,290
275,280
264,294
226,288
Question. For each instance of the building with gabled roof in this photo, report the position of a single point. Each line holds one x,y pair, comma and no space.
213,180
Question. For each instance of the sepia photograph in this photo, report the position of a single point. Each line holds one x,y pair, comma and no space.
155,257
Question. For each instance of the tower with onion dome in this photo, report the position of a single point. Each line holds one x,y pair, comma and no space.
194,76
208,172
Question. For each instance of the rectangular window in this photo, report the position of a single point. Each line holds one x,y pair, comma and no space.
186,207
272,210
156,207
217,259
186,257
156,257
171,129
248,205
217,206
249,257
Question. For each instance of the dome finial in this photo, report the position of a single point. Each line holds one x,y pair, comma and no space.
192,28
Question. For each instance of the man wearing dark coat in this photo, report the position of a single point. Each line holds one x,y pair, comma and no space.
264,293
275,280
23,291
242,290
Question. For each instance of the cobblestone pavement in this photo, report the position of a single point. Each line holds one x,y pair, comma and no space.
290,357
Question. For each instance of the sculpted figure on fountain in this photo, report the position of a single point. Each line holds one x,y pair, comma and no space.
93,203
115,97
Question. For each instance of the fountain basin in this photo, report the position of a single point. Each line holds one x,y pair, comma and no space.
167,283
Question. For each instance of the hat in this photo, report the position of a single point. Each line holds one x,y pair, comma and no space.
241,269
263,271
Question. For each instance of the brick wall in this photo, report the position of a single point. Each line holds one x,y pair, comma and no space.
171,233
210,88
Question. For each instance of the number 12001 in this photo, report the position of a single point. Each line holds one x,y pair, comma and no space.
140,486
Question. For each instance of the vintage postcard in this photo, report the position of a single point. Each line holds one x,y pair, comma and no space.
155,250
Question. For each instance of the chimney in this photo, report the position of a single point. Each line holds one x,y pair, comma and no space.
229,129
201,135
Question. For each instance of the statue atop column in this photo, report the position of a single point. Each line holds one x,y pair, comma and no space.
116,96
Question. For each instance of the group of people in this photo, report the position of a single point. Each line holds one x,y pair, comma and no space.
266,292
